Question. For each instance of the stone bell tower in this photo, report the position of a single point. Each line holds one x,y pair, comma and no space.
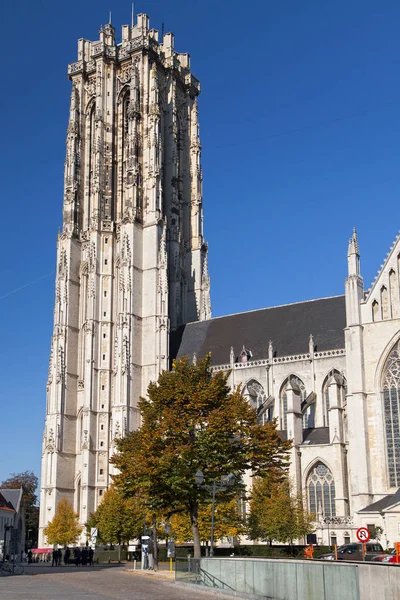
131,257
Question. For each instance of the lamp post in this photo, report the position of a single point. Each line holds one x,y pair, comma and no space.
227,481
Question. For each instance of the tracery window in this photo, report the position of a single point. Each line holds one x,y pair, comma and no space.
299,388
333,377
255,393
391,400
321,491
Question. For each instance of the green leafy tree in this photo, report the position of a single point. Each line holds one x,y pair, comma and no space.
118,519
29,483
65,528
191,421
276,513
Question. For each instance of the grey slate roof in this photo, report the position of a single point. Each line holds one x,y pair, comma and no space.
289,327
314,437
4,503
383,503
13,496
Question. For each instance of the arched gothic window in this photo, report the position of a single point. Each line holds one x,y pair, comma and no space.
309,416
299,388
333,377
391,400
256,395
321,491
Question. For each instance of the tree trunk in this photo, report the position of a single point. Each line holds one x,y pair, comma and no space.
195,530
155,547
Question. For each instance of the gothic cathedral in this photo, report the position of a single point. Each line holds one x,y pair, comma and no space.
133,292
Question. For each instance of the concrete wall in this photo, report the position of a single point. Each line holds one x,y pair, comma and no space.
379,581
301,580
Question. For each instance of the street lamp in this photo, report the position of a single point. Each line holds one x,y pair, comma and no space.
227,481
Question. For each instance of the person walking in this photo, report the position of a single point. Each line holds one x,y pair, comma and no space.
77,556
84,556
67,554
29,557
54,558
59,557
91,555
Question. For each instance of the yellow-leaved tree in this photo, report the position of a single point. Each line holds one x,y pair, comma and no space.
65,528
277,513
228,522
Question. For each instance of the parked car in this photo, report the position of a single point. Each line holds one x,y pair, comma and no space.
355,552
387,558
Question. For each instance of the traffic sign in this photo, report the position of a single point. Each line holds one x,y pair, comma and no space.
171,550
363,534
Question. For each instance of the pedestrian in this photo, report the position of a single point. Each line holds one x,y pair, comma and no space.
29,557
54,558
77,556
84,556
91,555
59,557
67,554
145,559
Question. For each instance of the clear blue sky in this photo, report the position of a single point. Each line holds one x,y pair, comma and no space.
300,131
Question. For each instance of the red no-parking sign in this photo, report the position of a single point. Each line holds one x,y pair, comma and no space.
363,535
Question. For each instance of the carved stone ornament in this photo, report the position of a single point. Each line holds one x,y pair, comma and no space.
81,385
90,86
107,225
85,440
89,326
50,447
125,76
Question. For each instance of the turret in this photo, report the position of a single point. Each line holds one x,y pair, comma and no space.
353,255
354,282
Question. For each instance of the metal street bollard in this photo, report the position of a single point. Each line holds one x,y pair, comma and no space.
134,565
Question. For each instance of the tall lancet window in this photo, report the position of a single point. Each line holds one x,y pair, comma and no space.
338,381
391,400
298,388
321,491
257,398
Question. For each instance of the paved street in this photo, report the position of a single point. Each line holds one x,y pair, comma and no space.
106,582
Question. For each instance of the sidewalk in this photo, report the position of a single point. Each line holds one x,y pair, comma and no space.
163,571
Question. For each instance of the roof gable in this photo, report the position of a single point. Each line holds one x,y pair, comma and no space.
378,296
13,496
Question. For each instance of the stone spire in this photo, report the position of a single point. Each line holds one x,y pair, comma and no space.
353,255
354,284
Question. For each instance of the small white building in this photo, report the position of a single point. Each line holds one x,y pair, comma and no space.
12,522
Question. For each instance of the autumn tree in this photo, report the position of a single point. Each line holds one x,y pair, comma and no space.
192,421
118,519
65,528
228,523
29,483
277,513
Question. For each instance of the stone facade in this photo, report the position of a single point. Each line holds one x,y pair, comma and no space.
131,258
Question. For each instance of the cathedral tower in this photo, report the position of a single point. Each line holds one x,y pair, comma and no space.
131,258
